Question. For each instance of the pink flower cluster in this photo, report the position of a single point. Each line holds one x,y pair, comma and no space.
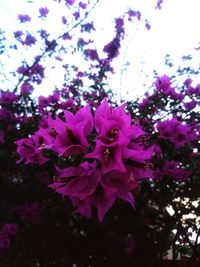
106,152
163,84
176,132
172,169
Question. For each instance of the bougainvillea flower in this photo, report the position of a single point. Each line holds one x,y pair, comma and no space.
104,111
176,132
190,105
49,131
112,48
139,156
29,40
6,115
7,98
70,2
29,149
26,89
83,207
163,83
78,182
43,11
81,123
72,134
103,199
124,183
24,18
172,169
110,156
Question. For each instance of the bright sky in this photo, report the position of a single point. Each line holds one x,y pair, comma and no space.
175,30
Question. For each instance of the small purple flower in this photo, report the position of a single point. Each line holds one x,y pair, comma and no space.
67,104
83,5
49,130
6,115
26,89
64,20
70,2
29,40
7,97
42,103
18,35
76,15
30,150
66,36
79,182
109,155
176,132
119,25
190,105
87,27
124,184
72,134
103,199
43,11
54,98
131,13
188,82
191,90
24,18
147,25
38,69
22,70
163,83
174,170
145,102
112,48
175,95
91,54
159,4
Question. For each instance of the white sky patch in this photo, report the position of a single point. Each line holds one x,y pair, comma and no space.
174,30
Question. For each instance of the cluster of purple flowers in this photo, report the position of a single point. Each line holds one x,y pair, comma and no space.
176,132
24,18
172,169
112,156
163,84
35,73
192,90
43,11
7,97
30,150
29,40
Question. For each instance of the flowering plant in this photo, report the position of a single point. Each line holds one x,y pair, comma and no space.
71,161
105,157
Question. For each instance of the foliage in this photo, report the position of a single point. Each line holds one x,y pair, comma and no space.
96,153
